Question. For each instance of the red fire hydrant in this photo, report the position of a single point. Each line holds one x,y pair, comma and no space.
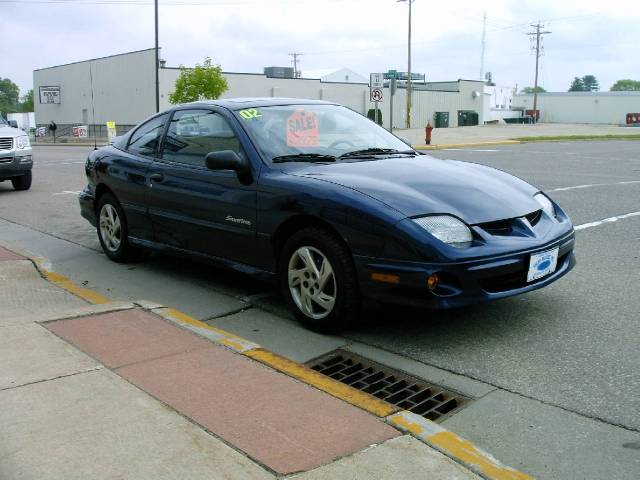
428,129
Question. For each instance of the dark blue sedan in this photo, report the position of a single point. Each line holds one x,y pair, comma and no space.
321,199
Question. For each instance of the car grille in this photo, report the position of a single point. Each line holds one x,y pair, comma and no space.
6,143
505,227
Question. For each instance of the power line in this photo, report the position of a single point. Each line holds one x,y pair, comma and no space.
484,43
538,33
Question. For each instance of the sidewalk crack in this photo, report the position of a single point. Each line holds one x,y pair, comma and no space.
64,375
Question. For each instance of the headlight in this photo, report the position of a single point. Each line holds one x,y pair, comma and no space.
546,204
22,142
447,229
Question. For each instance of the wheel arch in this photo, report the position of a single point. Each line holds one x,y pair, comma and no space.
297,223
101,189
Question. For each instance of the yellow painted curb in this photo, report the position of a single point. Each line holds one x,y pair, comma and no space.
442,146
455,447
306,375
67,284
216,335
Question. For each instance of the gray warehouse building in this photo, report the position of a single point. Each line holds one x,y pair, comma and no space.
121,88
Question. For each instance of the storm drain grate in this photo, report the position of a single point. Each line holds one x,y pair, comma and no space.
405,391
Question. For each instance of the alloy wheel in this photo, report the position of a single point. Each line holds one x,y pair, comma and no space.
110,227
312,282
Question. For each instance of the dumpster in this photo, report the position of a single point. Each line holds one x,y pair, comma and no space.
441,120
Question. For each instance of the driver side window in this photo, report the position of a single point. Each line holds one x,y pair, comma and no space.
194,133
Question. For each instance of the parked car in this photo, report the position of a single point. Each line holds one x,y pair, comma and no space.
323,200
16,156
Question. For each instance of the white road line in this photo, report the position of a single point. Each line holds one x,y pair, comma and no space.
606,220
68,192
576,187
467,150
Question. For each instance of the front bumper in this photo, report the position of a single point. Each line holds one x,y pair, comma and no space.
13,164
87,208
462,283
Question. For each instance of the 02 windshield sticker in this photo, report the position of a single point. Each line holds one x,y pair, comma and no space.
303,129
250,113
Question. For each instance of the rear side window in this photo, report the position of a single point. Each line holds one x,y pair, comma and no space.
194,133
146,139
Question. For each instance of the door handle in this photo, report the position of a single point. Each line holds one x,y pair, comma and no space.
156,177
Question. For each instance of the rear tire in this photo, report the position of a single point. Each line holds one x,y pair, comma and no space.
113,232
318,280
22,182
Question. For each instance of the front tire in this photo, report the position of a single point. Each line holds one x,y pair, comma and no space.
112,230
318,280
22,182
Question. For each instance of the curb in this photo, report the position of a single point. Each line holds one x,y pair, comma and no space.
442,146
446,442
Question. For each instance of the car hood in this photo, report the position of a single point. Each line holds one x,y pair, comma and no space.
424,185
6,131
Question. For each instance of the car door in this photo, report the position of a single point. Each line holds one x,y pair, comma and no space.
126,173
192,207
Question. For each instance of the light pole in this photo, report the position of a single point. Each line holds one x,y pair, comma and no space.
157,61
409,90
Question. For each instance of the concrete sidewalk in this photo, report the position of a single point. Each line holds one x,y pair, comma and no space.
496,134
137,390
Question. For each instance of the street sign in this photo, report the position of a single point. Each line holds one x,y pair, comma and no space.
376,95
376,80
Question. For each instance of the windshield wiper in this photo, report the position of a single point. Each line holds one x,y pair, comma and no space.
375,151
304,157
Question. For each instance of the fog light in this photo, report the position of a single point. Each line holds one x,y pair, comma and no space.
432,281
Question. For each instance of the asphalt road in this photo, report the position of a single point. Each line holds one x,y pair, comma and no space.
554,372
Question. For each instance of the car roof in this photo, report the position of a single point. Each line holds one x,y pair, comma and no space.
253,102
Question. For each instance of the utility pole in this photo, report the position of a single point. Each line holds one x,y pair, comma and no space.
409,89
157,62
484,42
538,34
296,73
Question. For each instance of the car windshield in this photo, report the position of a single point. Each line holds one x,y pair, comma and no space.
3,121
318,133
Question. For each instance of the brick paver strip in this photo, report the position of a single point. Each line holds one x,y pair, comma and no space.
279,421
6,255
124,337
285,424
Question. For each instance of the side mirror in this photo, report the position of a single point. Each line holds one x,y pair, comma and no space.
13,123
227,160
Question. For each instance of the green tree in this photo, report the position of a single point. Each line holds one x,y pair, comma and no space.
590,83
626,85
200,83
577,85
9,94
532,90
26,103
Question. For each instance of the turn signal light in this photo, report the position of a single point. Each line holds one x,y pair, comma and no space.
432,281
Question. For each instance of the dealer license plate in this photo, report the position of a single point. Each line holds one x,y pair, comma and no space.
542,264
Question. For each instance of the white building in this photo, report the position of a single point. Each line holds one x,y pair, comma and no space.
582,107
121,88
345,75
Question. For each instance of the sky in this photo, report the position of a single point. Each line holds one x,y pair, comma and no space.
587,36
